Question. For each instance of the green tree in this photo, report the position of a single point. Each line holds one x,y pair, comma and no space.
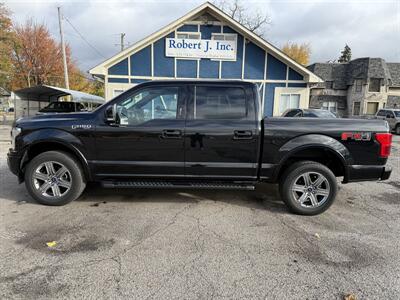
346,55
6,46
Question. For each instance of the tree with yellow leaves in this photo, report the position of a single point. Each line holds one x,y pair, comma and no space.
298,52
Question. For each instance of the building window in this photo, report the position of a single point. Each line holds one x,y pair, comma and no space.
374,85
118,92
358,83
330,105
372,108
329,84
288,101
356,108
188,35
224,36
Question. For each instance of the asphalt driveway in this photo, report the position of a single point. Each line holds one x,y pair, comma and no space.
188,244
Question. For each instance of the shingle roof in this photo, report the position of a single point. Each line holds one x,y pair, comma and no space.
394,69
343,75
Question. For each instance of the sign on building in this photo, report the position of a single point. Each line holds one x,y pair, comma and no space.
192,48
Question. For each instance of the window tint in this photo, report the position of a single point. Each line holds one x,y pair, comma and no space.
382,113
356,108
148,104
374,85
293,113
220,103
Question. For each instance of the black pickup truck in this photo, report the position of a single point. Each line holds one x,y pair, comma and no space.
196,134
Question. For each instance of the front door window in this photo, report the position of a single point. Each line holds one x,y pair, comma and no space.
148,104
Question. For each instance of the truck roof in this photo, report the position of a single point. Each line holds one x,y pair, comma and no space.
201,81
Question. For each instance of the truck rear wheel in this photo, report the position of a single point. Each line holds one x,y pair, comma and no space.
54,178
308,188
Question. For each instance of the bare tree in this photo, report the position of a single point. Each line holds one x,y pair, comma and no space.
255,21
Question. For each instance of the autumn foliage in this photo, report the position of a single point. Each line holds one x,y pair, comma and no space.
298,52
35,57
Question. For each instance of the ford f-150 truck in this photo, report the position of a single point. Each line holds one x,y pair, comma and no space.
196,134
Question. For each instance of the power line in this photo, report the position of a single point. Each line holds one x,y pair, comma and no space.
83,38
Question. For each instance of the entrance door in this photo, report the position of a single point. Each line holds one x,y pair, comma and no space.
147,140
372,108
221,139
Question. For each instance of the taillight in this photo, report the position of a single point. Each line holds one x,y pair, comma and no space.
385,140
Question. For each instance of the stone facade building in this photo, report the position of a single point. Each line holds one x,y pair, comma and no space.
359,87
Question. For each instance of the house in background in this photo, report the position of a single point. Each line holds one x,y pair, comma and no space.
359,87
228,51
5,99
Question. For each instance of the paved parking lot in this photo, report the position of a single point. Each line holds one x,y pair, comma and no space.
189,244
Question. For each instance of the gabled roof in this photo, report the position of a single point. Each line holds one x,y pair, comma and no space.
206,7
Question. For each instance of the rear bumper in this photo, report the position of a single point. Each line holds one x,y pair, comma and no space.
365,173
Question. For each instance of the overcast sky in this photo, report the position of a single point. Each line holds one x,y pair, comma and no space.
371,28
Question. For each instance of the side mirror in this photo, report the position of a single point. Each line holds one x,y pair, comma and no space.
111,114
388,116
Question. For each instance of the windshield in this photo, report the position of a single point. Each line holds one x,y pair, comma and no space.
397,113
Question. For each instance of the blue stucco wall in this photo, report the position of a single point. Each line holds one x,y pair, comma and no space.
188,28
293,75
254,62
163,65
141,62
186,68
120,68
275,68
269,97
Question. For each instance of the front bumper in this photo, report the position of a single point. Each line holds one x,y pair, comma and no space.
13,162
365,173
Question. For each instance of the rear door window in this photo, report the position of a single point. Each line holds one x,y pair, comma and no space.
220,103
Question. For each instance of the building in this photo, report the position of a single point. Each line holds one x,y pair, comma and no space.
359,87
208,44
4,99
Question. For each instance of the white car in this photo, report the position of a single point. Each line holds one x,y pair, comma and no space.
392,116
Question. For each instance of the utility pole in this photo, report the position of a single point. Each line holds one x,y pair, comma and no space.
122,41
63,49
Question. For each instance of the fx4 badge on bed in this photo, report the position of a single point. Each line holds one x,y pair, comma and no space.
357,136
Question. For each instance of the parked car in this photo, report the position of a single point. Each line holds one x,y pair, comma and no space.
61,107
308,113
196,134
392,116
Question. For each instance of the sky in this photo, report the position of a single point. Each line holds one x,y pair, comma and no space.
370,28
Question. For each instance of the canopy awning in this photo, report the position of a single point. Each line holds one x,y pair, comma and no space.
47,93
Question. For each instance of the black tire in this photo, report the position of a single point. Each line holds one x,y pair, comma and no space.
397,129
296,174
73,178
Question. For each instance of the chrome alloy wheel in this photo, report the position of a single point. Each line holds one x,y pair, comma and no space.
311,189
52,179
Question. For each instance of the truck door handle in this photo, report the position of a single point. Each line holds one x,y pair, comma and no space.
242,135
171,134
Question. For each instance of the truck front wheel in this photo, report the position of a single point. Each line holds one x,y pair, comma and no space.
54,178
308,188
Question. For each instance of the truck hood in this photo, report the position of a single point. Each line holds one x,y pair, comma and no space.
65,117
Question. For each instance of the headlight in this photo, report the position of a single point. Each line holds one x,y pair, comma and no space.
14,132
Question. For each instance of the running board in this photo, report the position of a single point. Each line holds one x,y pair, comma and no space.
177,185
